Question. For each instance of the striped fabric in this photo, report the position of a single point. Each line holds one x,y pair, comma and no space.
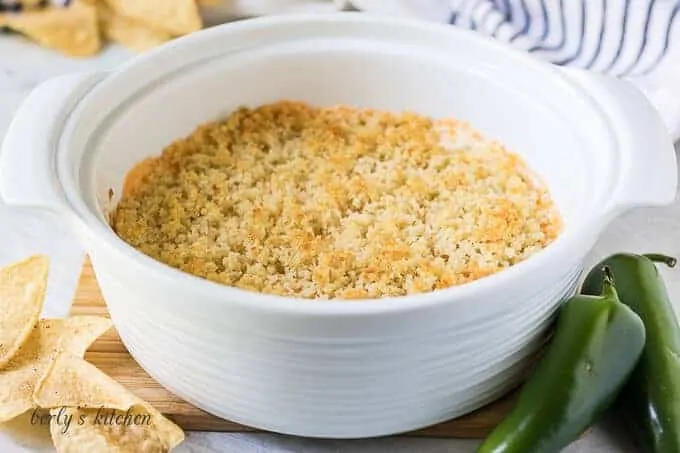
638,40
16,6
622,37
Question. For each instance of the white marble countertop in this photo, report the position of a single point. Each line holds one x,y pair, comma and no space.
23,65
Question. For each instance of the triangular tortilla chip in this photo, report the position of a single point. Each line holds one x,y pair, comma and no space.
104,415
139,429
22,293
132,34
73,31
70,381
178,17
21,375
81,331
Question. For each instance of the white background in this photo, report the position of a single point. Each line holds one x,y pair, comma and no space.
24,232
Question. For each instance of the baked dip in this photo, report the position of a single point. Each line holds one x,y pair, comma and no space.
336,202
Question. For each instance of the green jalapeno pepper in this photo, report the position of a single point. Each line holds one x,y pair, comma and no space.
596,344
650,400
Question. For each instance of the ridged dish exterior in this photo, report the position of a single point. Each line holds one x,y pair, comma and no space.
369,378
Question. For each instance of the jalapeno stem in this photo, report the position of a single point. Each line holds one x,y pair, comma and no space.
608,289
660,258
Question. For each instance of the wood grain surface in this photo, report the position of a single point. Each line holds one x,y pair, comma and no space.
110,355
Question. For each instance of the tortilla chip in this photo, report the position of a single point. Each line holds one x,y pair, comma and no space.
73,30
104,415
70,381
22,374
139,429
177,17
129,32
22,292
81,332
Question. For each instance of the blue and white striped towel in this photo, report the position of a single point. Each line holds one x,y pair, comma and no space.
17,6
638,40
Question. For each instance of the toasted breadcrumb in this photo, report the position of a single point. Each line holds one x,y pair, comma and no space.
336,202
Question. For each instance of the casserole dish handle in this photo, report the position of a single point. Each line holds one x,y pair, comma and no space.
647,155
27,157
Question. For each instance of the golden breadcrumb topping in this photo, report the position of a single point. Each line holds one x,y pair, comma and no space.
336,202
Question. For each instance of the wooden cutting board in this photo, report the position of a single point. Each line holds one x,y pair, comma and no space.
109,355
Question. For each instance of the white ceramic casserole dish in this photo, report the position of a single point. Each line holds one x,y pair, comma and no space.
333,368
